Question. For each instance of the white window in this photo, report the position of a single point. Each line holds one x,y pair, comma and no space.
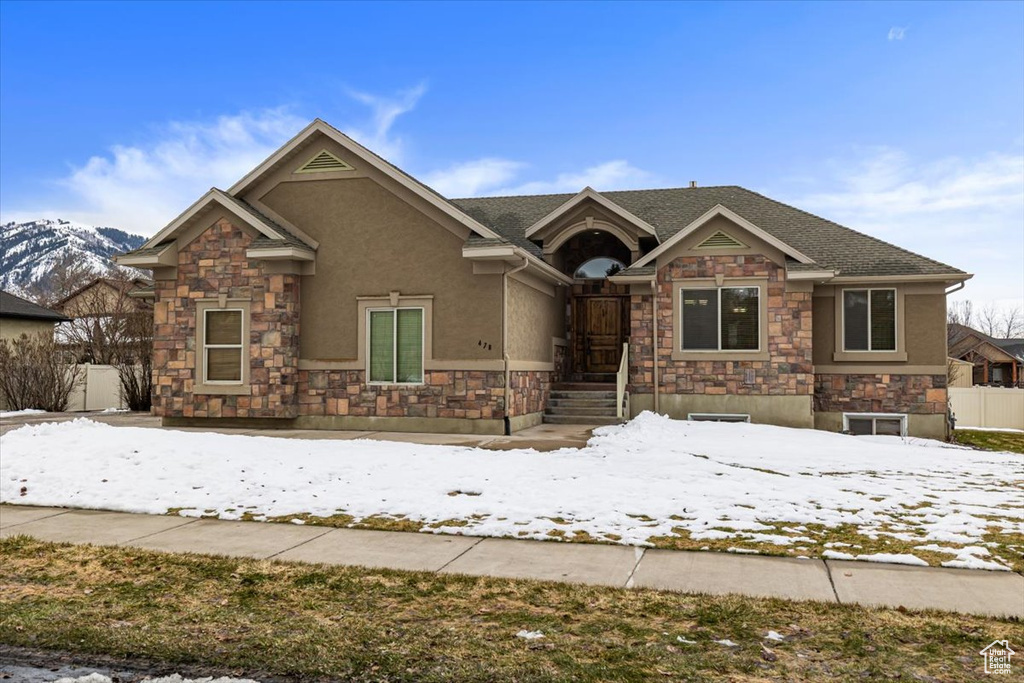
720,319
718,417
869,320
223,346
888,424
396,345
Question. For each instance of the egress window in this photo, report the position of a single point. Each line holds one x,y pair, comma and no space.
720,319
223,347
396,345
869,320
878,424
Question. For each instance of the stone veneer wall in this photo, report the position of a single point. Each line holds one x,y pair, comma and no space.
530,391
215,264
467,394
789,370
880,393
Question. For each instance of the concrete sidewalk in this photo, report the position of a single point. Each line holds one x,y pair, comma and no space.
986,593
543,437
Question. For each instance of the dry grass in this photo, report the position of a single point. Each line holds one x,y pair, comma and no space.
308,621
990,441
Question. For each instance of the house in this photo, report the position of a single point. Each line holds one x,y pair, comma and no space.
19,316
327,288
105,296
996,362
104,317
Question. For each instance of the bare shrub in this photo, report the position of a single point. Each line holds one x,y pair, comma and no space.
35,373
134,360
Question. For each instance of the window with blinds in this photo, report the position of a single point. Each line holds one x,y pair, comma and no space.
396,345
869,320
223,348
720,319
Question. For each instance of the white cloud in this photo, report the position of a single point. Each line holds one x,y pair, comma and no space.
141,187
897,32
610,175
968,213
470,178
386,110
495,176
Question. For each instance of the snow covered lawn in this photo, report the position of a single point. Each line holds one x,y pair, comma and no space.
653,481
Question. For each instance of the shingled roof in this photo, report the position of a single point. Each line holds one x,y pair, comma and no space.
831,245
15,307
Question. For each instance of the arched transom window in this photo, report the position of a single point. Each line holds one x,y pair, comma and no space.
598,268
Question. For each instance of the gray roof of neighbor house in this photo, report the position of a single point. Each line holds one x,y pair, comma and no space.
15,307
670,210
958,333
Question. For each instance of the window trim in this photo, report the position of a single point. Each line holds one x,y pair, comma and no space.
902,417
240,346
394,345
841,354
719,417
761,353
221,387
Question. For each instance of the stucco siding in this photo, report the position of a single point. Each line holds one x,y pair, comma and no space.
372,243
12,328
533,321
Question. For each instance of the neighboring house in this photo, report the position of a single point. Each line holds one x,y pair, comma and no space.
105,296
327,288
997,362
103,315
19,316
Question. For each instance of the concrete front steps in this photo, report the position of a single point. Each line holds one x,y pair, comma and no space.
582,403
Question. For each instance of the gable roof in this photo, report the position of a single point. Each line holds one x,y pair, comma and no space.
669,211
417,187
964,339
12,306
589,194
124,285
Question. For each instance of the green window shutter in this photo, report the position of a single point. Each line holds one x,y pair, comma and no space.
410,345
382,346
883,320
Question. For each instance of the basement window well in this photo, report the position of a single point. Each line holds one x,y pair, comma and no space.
878,424
718,417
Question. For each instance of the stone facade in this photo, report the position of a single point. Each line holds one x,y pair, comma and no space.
789,371
466,394
213,265
886,393
530,391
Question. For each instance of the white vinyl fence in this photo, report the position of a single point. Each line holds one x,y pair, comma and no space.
988,407
98,389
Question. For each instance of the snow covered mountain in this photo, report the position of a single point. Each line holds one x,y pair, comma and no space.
29,251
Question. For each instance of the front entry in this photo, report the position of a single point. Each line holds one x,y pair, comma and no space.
599,333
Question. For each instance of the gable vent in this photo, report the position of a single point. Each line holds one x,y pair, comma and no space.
720,241
324,161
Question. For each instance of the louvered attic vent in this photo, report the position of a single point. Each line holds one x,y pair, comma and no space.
720,241
322,162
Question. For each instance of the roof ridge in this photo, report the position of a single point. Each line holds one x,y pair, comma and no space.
602,192
844,227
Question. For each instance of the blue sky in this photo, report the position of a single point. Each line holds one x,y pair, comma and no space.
904,120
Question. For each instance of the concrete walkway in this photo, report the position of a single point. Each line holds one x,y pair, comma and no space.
999,594
544,437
